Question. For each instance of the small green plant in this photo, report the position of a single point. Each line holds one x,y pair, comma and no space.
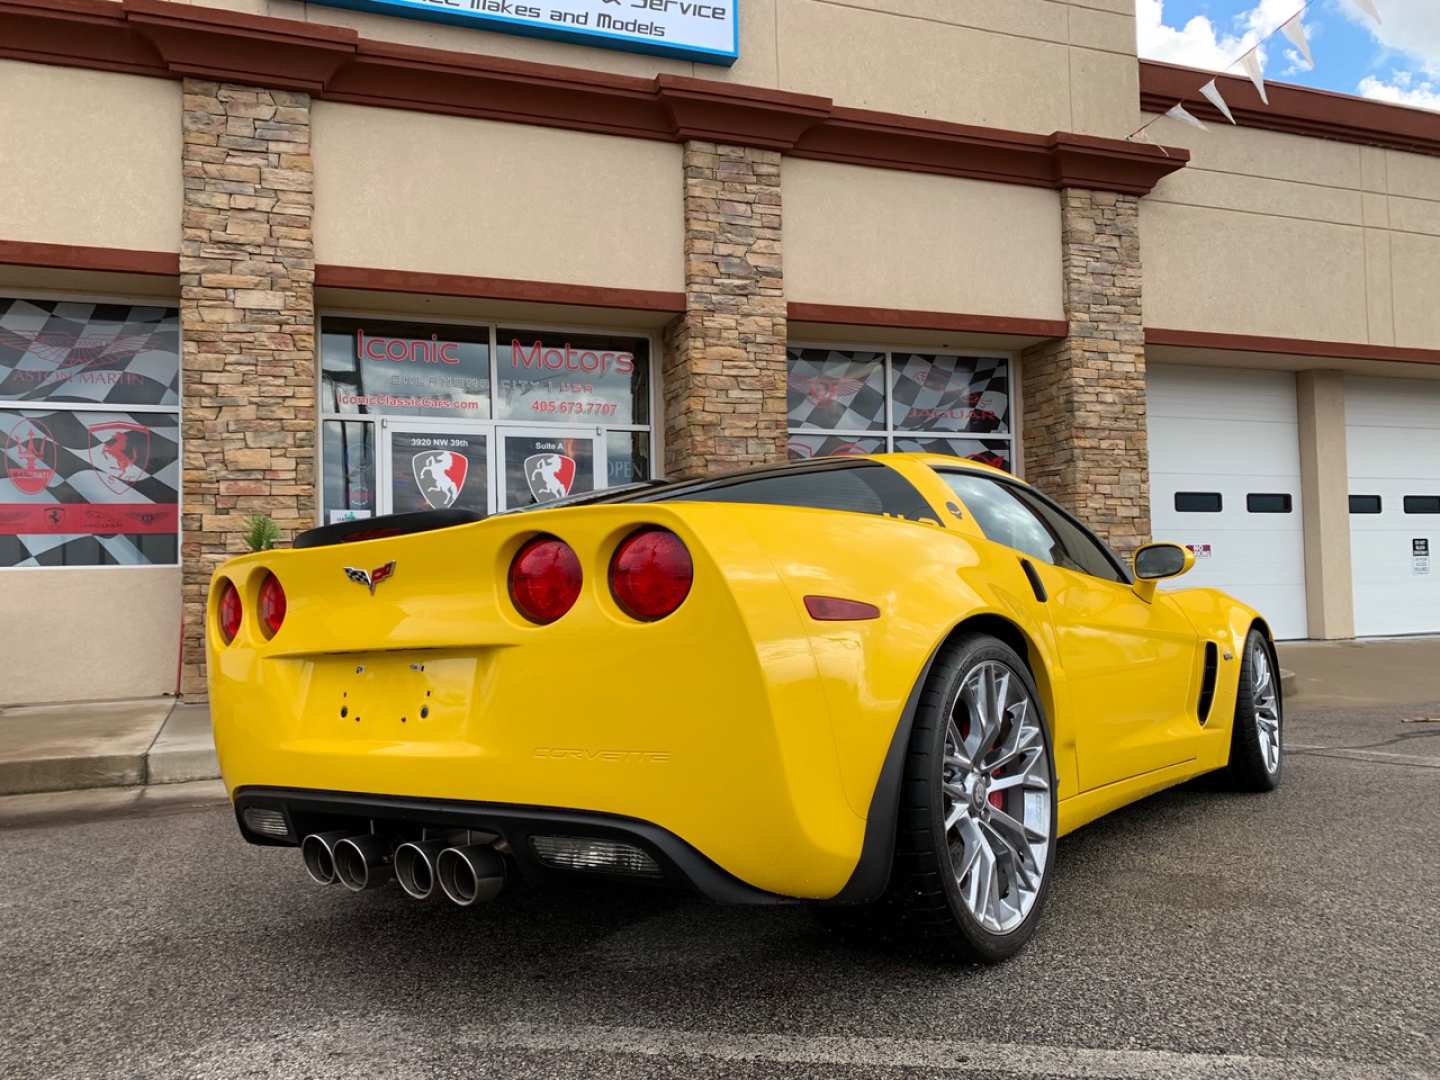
261,532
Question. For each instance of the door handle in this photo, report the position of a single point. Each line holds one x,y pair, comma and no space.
1036,585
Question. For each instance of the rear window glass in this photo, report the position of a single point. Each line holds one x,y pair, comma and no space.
858,489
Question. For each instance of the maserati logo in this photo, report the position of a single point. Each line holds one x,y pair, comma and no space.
30,456
371,578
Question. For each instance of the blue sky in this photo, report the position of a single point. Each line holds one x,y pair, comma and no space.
1397,60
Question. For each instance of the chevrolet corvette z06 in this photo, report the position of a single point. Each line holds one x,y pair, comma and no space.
884,685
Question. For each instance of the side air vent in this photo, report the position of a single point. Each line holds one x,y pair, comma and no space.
1207,681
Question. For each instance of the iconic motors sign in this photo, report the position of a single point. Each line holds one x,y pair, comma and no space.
704,30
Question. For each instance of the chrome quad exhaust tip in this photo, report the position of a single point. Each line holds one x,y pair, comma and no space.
470,875
415,867
318,852
362,862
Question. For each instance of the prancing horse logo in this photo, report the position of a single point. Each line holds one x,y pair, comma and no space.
371,577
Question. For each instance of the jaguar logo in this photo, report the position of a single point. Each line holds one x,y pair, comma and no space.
371,578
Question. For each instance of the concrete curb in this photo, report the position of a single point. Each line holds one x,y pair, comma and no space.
1288,683
104,745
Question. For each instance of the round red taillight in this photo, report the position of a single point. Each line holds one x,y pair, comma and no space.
272,605
230,612
651,574
545,579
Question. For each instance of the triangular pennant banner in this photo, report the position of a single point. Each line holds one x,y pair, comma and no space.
1294,29
1179,112
1212,94
1368,6
1251,63
1144,136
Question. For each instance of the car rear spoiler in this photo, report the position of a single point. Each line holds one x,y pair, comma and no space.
350,532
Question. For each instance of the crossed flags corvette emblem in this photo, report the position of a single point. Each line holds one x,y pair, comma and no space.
371,578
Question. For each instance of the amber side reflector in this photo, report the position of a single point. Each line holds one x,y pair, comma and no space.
834,609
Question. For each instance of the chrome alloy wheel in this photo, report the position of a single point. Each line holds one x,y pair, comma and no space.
996,796
1267,705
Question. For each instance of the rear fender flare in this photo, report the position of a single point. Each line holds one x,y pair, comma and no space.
872,870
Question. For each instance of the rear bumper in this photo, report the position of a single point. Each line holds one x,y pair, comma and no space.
681,865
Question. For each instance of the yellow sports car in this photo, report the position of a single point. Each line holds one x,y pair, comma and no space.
886,685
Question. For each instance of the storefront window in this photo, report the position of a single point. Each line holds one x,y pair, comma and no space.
348,453
550,377
405,369
849,401
417,416
89,433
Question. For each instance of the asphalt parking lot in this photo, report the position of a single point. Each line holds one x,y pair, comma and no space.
1197,934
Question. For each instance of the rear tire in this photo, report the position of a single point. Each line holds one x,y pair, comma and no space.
1256,736
976,826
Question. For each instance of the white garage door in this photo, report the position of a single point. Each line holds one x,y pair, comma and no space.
1225,479
1392,433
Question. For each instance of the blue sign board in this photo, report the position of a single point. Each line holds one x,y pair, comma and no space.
703,30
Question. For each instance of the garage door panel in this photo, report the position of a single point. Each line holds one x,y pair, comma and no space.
1393,449
1206,393
1231,433
1193,445
1392,452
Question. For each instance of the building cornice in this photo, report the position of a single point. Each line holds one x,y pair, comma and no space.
948,321
169,40
1295,110
79,257
329,276
1301,347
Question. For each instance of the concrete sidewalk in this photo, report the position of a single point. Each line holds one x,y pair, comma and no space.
104,744
1371,671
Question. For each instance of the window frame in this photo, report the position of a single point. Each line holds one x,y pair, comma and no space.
655,404
163,300
1026,490
889,433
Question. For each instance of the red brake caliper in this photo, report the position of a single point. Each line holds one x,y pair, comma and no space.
997,798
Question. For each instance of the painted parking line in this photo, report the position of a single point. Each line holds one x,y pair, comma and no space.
945,1055
1381,757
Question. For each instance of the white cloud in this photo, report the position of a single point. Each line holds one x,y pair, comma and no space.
1197,44
1201,43
1407,26
1403,89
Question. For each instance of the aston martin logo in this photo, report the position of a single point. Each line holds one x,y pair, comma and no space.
371,578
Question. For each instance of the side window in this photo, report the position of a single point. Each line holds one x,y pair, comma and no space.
1019,519
1004,518
1086,552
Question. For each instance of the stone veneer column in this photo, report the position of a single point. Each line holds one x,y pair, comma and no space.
1325,503
1083,397
724,365
247,317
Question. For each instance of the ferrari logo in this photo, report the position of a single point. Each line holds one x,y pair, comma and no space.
371,578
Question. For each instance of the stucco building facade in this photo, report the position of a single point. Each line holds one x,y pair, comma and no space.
268,256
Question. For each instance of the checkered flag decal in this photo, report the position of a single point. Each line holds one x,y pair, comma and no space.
831,389
102,354
951,393
73,483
